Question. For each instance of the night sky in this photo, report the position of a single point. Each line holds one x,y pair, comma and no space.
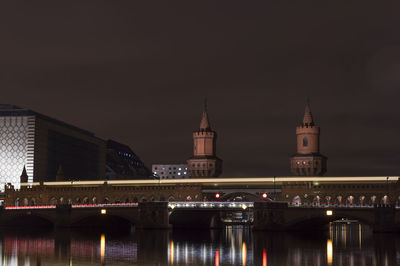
138,72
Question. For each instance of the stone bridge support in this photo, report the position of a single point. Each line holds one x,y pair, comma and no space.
270,216
153,215
277,216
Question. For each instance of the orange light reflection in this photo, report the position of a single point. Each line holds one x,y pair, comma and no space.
217,257
244,253
171,252
264,257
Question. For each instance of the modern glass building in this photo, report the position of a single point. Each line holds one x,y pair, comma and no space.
123,163
42,144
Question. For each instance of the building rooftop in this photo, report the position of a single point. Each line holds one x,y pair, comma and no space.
13,110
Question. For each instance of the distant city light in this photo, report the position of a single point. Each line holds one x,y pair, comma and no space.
264,195
329,212
103,211
217,195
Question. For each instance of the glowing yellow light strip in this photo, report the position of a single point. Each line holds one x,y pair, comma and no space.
224,180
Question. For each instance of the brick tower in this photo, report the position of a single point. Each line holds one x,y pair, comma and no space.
308,161
204,162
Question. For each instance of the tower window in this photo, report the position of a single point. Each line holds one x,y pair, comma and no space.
305,142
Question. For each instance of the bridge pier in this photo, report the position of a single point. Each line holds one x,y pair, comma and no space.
63,216
269,216
153,215
385,219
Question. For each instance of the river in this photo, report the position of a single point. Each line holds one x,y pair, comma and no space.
341,244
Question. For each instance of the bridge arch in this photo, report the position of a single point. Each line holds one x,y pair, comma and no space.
171,198
361,199
241,196
350,199
27,219
114,221
319,220
53,201
296,200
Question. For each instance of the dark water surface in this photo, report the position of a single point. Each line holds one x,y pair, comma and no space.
340,245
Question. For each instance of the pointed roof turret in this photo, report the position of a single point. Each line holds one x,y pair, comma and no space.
60,174
205,123
24,176
308,119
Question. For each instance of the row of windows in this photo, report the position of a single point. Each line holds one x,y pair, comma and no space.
174,168
198,165
170,173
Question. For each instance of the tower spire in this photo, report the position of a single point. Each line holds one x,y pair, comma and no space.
308,119
205,123
24,176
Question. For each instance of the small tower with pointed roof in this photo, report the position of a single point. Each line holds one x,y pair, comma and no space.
308,161
24,176
204,162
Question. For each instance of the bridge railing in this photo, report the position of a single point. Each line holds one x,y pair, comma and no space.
339,205
99,205
210,205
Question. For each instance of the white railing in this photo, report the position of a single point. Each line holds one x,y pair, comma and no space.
210,205
99,205
334,205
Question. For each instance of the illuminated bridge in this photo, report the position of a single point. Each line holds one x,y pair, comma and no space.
360,190
206,201
274,216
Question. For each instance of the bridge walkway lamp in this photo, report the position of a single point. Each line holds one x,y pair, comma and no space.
159,185
274,190
387,191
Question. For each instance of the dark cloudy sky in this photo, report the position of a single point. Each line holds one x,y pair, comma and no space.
138,71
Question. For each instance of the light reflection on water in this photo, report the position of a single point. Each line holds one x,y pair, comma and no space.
342,244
